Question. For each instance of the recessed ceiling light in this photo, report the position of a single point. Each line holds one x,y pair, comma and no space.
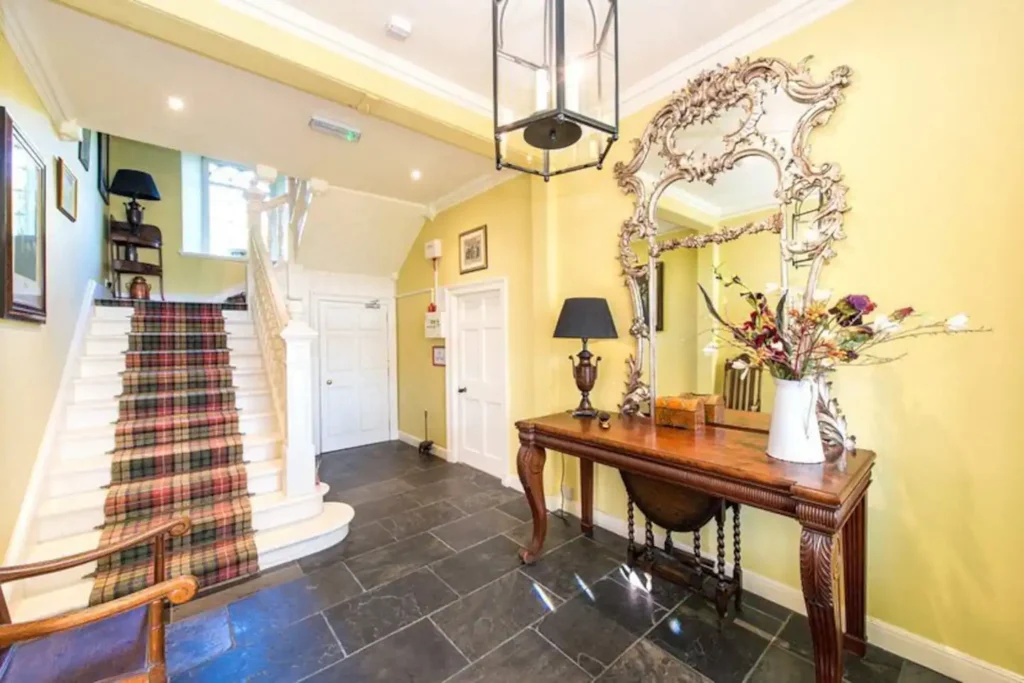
175,103
398,27
416,175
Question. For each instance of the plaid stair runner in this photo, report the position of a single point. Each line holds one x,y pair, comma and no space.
177,450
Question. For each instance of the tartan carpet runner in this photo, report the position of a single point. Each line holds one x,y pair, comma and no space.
177,450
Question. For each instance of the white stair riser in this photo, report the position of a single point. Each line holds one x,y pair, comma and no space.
70,446
125,312
102,327
99,388
50,527
66,482
87,416
101,367
57,580
102,346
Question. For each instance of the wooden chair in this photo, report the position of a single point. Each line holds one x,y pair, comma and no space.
742,388
120,640
123,247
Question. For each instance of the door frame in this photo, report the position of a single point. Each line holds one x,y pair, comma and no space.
451,294
387,303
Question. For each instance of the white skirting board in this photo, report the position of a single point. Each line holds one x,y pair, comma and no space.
439,451
915,648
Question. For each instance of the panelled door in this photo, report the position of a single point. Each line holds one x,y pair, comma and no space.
354,405
479,327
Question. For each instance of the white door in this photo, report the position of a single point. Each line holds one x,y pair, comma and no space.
480,381
354,405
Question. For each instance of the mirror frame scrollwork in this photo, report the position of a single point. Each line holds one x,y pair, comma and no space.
745,85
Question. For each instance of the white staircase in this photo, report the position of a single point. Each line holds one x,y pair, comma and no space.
71,506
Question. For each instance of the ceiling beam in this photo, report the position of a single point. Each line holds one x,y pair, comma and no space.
215,31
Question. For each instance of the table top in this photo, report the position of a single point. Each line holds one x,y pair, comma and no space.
731,453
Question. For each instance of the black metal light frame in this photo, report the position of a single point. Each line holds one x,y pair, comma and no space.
560,114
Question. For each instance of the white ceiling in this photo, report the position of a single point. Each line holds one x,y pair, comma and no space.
452,38
118,81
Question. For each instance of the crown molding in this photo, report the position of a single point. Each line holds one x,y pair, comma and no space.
326,35
470,190
42,78
764,28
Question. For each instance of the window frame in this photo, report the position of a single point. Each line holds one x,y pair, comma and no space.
204,188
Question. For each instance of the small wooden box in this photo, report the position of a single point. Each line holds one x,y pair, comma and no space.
677,411
714,406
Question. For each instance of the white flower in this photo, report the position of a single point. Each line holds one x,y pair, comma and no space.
776,346
711,348
957,322
740,364
883,324
812,235
822,294
771,287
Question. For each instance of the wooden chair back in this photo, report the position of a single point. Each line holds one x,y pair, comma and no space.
742,388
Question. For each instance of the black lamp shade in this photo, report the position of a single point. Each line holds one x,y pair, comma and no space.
586,318
134,184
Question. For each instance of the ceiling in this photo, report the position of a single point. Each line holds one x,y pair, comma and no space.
452,38
118,81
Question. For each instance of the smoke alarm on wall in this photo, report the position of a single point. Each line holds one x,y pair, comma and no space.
399,28
335,128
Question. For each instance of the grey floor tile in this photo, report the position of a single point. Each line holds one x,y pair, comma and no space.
601,623
398,559
877,666
484,499
379,613
665,593
915,673
421,519
559,533
375,491
723,650
436,474
645,662
444,489
331,585
472,568
779,665
223,596
475,528
527,658
480,622
286,654
417,654
359,540
575,564
518,508
380,509
271,610
197,640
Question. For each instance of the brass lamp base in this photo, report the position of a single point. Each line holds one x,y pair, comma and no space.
585,373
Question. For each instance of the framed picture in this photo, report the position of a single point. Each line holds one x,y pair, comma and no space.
645,296
438,356
85,149
103,166
67,191
22,226
473,250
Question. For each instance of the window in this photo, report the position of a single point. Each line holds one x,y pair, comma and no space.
225,226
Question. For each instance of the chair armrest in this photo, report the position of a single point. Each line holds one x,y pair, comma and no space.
175,527
177,590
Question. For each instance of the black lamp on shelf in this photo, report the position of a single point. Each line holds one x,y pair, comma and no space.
585,318
135,185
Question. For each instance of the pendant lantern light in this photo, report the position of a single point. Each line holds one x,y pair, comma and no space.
556,84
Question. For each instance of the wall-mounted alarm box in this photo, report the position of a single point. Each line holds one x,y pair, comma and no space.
433,249
435,326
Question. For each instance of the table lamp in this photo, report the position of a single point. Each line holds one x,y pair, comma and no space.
135,185
585,318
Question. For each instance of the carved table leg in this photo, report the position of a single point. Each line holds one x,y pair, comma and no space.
854,576
530,463
819,574
587,496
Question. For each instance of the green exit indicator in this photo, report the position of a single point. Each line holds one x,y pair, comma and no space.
335,128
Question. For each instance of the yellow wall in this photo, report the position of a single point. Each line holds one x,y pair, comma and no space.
930,144
31,355
186,275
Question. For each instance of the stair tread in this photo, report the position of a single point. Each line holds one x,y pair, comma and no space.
96,462
102,379
119,356
96,499
106,429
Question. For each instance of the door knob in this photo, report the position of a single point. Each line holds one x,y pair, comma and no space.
462,390
330,381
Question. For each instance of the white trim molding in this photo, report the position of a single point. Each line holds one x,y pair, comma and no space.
910,646
39,72
302,25
469,190
764,28
439,451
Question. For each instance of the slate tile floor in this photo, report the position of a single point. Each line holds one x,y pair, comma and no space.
428,588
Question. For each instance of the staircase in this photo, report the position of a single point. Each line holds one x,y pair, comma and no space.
187,380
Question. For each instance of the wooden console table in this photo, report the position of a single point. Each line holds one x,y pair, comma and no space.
730,463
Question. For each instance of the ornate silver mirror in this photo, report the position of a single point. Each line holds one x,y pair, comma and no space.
724,183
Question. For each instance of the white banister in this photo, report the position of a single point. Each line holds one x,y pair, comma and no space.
285,337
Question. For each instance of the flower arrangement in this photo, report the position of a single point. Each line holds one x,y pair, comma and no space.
806,340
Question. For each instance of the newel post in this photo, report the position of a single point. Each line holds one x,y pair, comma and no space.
300,455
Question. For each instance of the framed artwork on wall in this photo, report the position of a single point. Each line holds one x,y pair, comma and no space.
85,149
438,356
473,250
103,166
67,191
22,226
